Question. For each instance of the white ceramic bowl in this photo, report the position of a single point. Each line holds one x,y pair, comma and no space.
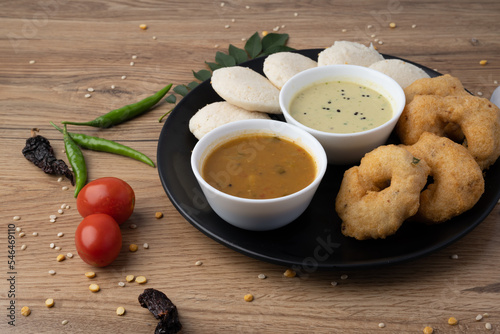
258,214
346,148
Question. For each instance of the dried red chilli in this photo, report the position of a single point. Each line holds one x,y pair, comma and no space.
39,151
163,309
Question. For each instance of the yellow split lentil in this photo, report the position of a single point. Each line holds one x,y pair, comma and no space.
248,297
133,248
289,273
141,279
158,215
120,310
428,330
483,62
25,311
94,287
129,278
143,26
90,274
49,302
452,321
61,257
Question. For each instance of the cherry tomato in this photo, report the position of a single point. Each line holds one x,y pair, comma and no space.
108,195
98,239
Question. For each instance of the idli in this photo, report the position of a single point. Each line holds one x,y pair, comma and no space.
218,113
247,89
403,72
349,53
281,66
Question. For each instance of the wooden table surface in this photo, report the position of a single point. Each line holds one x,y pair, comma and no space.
54,50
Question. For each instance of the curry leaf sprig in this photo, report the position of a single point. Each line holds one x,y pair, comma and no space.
254,47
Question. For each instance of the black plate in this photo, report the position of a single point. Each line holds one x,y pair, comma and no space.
314,240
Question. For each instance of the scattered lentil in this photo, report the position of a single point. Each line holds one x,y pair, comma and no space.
52,245
334,283
32,61
52,220
52,216
344,276
60,211
64,322
16,218
70,255
129,278
90,274
25,311
133,248
134,57
486,315
158,215
413,26
344,30
198,263
247,7
35,234
143,26
23,247
289,273
113,86
18,229
381,325
121,284
141,279
227,26
120,310
483,62
479,93
64,188
479,317
248,297
52,272
49,302
94,287
369,26
61,257
262,276
60,234
428,330
276,28
146,245
90,89
132,63
87,96
22,234
454,257
59,179
392,25
295,14
488,326
57,248
124,77
452,321
154,37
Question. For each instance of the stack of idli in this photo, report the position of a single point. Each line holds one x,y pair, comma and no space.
251,95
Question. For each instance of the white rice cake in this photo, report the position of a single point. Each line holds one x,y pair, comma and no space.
280,67
247,89
218,113
404,73
350,53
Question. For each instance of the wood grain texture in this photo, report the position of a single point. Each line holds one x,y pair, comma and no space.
82,44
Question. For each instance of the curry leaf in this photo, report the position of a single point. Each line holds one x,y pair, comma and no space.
224,59
253,46
171,98
213,66
272,40
181,90
202,75
192,85
239,54
277,48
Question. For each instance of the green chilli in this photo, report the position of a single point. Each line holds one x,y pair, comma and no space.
105,145
76,160
125,113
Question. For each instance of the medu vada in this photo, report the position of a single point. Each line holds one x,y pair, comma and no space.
457,181
477,118
377,196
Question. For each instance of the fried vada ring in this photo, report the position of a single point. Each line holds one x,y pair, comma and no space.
458,181
478,119
444,85
377,196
